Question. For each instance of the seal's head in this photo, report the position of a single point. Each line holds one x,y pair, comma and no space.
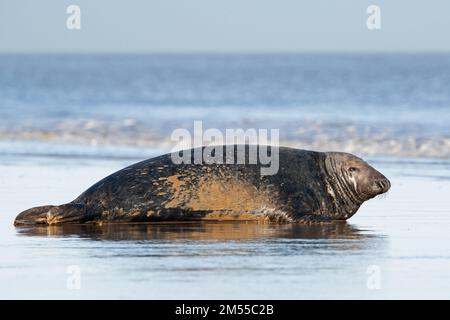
354,181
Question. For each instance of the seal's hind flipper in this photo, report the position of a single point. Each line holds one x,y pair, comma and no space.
50,215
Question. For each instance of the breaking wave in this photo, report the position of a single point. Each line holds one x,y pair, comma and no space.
132,137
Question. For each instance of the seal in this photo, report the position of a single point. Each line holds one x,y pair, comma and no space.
309,186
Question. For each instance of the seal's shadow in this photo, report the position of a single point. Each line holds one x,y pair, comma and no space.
199,231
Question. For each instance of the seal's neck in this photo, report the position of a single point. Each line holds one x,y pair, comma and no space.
345,198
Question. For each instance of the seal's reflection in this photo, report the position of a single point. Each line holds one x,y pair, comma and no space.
199,231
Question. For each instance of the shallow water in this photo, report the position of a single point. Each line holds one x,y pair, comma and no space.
400,241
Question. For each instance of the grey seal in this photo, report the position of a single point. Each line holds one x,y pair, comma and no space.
309,186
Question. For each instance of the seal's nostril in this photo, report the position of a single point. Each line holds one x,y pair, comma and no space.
383,185
388,184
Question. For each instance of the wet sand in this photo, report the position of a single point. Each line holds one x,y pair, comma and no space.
403,236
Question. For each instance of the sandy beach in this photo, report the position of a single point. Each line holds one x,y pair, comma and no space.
402,236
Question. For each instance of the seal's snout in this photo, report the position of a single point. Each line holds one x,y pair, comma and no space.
381,186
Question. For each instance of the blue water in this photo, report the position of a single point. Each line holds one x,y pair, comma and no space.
370,104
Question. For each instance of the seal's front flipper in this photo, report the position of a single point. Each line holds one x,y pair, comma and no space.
50,215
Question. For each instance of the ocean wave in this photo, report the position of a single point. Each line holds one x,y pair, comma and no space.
381,105
132,137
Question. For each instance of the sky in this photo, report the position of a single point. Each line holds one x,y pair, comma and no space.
224,26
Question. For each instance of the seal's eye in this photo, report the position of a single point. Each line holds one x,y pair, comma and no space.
353,169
